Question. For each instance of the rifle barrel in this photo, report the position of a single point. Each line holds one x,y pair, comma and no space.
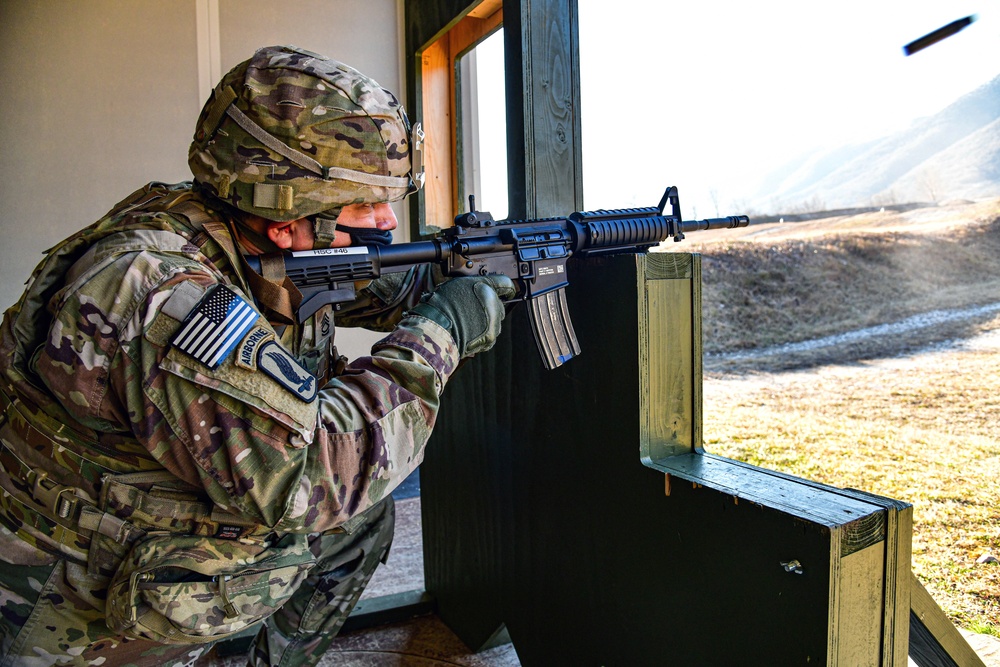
729,222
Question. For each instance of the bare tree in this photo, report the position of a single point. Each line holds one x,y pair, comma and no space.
930,182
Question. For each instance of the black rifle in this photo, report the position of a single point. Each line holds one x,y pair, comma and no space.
532,253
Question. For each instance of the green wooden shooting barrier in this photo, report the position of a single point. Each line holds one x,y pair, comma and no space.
575,513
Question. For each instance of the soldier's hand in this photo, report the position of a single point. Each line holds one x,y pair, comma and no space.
471,308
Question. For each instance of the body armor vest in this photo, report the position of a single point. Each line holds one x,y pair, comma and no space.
69,490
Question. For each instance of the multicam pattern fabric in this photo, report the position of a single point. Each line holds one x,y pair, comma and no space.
86,355
108,362
187,589
54,614
300,633
276,123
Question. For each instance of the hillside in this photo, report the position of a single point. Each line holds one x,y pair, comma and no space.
970,169
953,154
861,351
776,284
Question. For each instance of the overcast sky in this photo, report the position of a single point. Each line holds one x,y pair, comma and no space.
713,94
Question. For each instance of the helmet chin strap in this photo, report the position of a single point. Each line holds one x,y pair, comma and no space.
256,239
324,228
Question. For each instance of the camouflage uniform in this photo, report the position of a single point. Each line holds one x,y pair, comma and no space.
115,432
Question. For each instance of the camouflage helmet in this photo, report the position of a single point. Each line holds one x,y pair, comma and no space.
290,133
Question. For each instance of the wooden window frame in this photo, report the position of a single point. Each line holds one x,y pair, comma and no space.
439,115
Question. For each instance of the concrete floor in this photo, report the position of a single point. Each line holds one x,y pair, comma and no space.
424,641
987,647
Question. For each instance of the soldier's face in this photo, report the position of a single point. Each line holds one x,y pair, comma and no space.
298,234
291,235
364,216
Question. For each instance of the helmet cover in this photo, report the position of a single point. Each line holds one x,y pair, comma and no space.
289,133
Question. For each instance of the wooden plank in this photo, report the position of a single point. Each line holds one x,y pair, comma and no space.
439,165
817,503
697,360
554,96
486,9
934,640
925,651
472,30
543,97
425,21
898,549
861,534
668,344
860,582
898,563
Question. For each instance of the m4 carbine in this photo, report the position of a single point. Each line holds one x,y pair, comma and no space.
532,253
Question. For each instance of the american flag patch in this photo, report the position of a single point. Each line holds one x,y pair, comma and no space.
213,329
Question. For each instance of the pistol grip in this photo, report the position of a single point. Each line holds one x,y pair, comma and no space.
552,328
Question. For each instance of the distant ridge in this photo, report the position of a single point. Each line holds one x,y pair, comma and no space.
954,154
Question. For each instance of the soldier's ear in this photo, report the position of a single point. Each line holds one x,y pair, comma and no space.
280,233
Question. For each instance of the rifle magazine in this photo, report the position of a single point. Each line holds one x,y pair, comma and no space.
552,328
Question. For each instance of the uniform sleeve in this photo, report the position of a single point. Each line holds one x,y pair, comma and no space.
383,302
249,425
374,422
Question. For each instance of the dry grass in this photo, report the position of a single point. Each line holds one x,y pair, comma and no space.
762,290
923,430
920,427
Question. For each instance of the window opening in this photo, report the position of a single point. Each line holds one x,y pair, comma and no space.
464,116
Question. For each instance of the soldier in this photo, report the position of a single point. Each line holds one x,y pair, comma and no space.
180,457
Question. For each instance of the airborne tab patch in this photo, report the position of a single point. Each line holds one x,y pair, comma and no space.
246,357
213,329
280,365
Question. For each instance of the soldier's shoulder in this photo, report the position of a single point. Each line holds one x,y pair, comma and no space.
182,207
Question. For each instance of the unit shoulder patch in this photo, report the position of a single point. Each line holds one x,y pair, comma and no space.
283,368
212,330
246,355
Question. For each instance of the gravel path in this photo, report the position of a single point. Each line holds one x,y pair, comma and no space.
922,321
